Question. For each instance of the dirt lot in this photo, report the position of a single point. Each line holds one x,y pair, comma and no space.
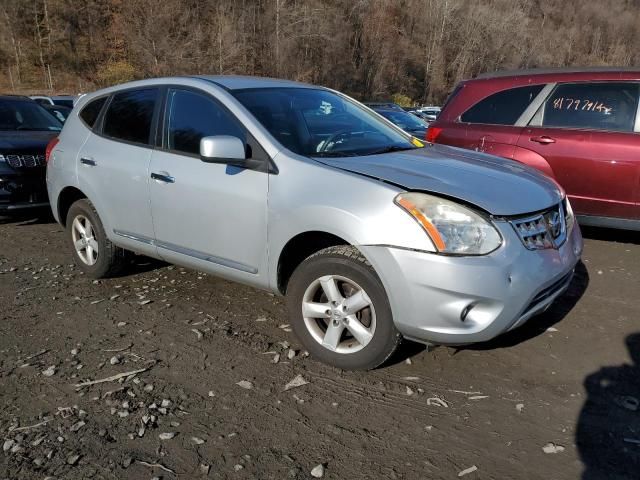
212,401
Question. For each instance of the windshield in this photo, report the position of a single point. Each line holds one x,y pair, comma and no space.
406,121
320,123
26,115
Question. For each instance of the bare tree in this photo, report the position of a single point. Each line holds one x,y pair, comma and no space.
368,48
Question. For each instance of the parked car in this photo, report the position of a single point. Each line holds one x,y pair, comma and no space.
580,127
429,113
302,191
63,100
25,131
59,111
421,116
407,122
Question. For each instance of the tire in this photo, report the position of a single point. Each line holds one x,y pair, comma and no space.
104,261
357,341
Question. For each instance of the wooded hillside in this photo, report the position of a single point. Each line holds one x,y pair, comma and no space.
372,49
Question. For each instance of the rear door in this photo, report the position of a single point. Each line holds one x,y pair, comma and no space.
585,131
113,167
493,124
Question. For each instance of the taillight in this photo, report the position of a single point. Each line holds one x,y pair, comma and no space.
432,134
50,146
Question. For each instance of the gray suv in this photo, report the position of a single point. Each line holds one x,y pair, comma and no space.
302,191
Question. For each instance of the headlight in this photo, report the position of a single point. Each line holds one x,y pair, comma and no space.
454,229
2,159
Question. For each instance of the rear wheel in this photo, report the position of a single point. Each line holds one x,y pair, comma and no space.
340,310
93,251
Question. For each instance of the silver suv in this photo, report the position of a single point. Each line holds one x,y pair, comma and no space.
304,192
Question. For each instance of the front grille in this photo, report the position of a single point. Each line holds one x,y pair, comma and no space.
544,230
25,161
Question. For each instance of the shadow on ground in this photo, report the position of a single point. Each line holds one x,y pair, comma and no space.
140,264
611,235
608,431
36,217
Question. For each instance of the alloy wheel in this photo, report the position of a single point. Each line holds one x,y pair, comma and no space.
339,314
84,241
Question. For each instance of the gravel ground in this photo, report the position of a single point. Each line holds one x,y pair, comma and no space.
556,399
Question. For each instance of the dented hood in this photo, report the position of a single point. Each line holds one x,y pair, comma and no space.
499,186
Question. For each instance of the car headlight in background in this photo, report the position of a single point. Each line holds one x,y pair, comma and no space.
453,228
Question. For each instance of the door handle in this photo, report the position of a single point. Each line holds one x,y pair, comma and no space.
88,161
543,140
163,177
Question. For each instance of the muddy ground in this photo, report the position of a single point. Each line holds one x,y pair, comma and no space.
557,399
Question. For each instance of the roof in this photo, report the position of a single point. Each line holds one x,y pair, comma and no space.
238,82
558,71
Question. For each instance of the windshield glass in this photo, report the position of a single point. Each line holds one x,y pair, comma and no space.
26,115
319,123
406,121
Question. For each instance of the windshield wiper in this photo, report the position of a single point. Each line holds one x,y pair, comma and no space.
390,149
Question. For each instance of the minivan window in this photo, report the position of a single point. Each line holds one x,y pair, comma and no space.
130,115
191,116
89,114
601,106
502,108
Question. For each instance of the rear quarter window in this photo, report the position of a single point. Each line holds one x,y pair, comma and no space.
502,108
599,106
89,114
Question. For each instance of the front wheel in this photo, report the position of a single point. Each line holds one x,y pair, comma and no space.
340,311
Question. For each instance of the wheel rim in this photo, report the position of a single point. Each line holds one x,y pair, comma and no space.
339,314
84,241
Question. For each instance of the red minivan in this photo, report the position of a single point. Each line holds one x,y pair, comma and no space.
581,127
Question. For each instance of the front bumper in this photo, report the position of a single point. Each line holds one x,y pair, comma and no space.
460,300
22,192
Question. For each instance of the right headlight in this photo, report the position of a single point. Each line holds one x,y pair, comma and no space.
454,229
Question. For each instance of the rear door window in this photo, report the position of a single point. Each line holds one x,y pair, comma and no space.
130,115
502,108
193,115
600,106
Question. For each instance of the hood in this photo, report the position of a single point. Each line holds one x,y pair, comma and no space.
499,186
25,141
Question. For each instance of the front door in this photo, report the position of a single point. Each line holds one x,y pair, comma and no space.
586,134
207,216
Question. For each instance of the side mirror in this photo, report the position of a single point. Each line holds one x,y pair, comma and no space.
223,149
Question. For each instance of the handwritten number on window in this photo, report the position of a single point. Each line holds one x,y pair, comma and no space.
585,104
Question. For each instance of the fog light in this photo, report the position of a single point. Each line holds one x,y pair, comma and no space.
465,311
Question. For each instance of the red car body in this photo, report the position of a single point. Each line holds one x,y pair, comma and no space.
581,127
